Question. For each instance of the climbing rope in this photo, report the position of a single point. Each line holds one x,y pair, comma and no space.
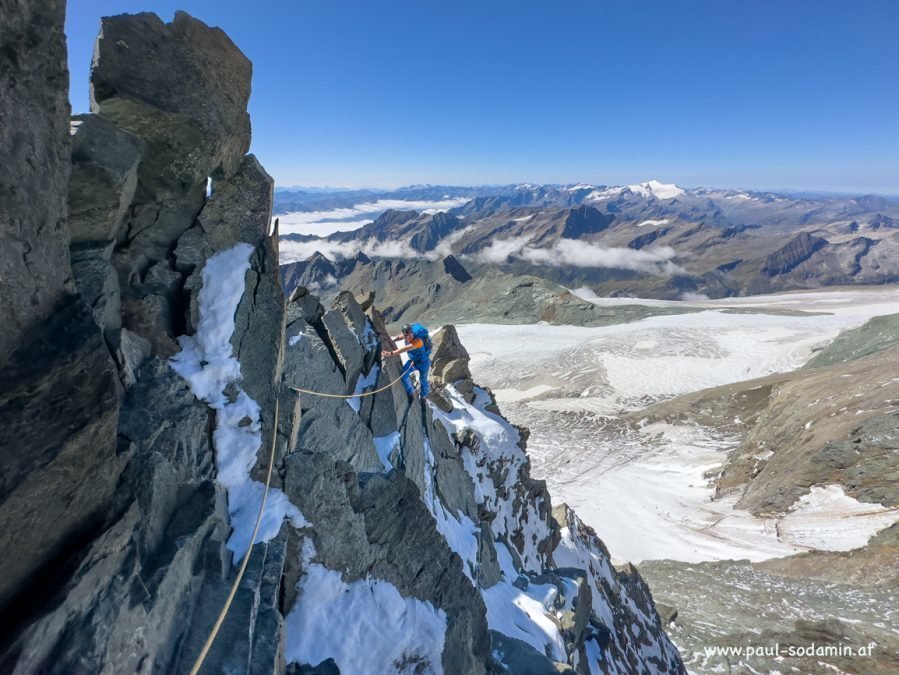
246,559
367,393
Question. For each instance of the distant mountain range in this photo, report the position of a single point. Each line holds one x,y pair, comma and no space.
644,240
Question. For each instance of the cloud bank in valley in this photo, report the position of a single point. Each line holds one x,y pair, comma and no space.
292,251
323,223
656,261
577,253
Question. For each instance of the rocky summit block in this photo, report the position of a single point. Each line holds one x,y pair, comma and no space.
183,88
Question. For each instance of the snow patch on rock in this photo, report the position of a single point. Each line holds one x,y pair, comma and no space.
207,362
366,626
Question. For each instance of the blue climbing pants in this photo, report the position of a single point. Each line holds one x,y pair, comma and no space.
422,367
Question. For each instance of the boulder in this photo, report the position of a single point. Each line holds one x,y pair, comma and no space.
449,359
345,345
439,398
104,178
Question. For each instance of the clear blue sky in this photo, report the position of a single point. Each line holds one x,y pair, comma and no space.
800,94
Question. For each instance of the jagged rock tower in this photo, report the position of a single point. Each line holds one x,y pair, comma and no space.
149,361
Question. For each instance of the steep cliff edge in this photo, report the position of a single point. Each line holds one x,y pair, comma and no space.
143,393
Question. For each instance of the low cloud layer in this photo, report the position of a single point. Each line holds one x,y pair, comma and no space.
291,251
657,261
323,223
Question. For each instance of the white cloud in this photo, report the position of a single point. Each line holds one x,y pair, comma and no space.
445,246
657,261
501,249
299,223
686,295
323,223
292,251
328,282
583,254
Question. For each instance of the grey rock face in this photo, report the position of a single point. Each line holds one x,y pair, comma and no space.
34,259
151,231
250,639
794,252
113,504
258,336
161,532
240,207
183,88
59,409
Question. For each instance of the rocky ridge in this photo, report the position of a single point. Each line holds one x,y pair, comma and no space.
442,290
140,396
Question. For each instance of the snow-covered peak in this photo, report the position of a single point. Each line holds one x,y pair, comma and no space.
649,189
654,188
724,193
605,193
579,187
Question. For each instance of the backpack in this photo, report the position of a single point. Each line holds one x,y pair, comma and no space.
421,332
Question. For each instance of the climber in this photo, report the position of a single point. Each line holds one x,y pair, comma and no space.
418,346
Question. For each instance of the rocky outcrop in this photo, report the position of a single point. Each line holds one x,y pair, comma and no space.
624,625
111,499
319,274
